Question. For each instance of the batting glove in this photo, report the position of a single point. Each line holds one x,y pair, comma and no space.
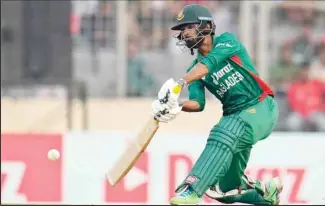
164,113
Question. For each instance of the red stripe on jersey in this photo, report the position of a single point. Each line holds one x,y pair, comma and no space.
264,86
237,60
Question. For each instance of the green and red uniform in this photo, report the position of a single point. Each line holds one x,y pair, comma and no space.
250,114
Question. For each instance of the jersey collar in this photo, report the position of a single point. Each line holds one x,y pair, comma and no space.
200,56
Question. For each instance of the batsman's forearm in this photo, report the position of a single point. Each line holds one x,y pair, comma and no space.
198,72
191,106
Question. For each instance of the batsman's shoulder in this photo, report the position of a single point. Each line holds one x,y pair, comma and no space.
227,36
227,42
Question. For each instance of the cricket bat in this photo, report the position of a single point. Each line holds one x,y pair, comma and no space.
135,149
133,152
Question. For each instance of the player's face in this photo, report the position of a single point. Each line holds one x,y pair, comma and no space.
189,34
189,31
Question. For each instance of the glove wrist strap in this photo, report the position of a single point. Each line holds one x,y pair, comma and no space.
182,82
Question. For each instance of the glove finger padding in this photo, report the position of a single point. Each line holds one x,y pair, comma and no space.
163,118
159,110
165,94
163,112
157,107
172,103
175,110
170,115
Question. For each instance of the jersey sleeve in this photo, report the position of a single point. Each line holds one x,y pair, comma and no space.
197,93
196,89
227,47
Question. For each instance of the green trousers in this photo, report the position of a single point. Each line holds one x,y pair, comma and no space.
228,148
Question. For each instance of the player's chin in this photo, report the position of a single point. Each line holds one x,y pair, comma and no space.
191,43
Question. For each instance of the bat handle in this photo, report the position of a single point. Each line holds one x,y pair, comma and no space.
156,120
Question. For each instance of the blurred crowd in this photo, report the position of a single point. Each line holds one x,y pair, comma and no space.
297,62
298,73
300,90
148,22
296,52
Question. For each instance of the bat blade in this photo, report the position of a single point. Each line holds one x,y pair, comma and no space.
133,152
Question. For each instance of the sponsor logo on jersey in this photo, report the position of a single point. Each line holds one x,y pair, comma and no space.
225,84
219,74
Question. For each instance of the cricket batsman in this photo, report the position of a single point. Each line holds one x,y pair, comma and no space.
224,68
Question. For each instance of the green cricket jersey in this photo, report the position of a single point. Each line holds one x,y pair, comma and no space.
232,77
